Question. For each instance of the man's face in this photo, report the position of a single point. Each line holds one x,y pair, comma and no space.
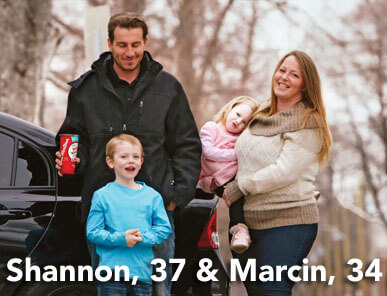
127,48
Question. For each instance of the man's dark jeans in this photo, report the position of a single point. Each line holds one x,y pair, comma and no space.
165,251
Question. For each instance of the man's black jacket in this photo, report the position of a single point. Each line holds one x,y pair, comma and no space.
158,114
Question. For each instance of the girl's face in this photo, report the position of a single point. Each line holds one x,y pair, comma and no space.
237,119
287,81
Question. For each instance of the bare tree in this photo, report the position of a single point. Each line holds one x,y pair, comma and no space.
246,72
188,13
27,27
363,60
213,52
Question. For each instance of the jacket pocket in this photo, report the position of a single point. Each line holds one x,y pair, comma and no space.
152,110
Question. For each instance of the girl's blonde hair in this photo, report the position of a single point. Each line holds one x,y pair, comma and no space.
221,116
113,142
311,97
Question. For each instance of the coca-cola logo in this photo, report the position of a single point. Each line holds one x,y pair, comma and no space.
64,147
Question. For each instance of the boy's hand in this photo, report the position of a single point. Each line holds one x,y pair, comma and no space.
58,162
132,237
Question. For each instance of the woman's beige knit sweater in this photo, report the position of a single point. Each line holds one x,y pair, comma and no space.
277,164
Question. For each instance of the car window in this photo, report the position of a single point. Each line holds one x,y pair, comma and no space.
31,169
6,156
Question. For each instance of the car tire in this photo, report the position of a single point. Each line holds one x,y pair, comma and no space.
58,289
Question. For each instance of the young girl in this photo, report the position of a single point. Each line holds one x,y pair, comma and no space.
219,162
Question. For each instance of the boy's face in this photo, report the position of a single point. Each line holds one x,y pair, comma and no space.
126,162
128,48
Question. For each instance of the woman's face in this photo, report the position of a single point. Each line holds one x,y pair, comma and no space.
287,81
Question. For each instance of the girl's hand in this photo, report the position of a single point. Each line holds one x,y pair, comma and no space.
132,237
213,186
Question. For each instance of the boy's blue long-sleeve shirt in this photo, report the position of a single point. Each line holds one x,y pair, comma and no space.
115,209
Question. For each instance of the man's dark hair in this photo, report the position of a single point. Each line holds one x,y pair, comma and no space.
127,20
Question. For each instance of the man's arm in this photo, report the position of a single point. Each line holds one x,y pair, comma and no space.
184,148
74,124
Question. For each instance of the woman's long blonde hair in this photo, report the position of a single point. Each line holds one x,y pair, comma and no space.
311,97
221,116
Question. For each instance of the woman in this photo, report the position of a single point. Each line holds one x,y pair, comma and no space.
279,155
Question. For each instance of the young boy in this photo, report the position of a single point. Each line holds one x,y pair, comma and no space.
126,219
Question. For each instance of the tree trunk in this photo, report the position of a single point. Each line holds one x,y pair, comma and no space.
24,25
50,47
186,40
249,48
210,53
117,6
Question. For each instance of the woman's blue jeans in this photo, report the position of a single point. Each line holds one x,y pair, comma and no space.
279,246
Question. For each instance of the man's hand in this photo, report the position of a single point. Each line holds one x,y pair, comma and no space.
132,237
171,206
58,162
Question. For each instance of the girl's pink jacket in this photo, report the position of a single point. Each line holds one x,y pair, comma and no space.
219,162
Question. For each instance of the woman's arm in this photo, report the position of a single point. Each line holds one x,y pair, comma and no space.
299,151
232,192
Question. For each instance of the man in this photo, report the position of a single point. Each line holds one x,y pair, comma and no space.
126,91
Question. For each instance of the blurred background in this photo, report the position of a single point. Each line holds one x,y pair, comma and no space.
220,49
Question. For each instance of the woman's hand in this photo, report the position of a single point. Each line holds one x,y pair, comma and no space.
225,198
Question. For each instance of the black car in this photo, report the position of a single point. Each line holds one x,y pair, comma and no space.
40,222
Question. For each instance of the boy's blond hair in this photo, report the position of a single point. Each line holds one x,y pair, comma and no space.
113,142
221,116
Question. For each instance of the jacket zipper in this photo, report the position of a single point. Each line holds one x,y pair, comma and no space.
141,105
140,112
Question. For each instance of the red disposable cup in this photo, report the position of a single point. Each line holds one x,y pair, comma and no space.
68,150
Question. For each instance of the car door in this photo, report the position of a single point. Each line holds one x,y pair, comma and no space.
27,197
